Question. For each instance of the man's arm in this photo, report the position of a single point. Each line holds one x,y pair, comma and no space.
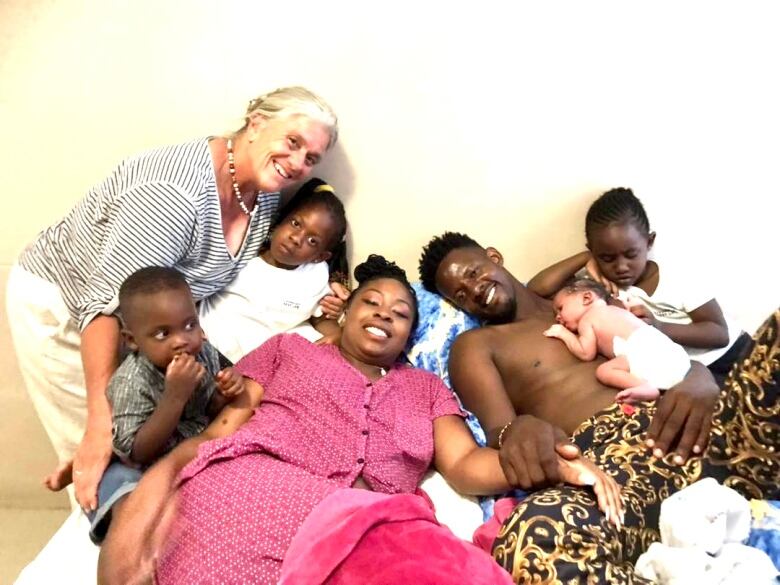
477,470
476,379
100,358
529,446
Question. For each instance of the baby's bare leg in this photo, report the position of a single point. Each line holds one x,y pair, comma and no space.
643,392
616,373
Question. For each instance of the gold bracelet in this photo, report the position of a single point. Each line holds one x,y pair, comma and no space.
502,431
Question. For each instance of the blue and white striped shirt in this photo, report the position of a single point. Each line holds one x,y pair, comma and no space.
158,208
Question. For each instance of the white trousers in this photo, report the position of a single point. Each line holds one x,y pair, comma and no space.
47,344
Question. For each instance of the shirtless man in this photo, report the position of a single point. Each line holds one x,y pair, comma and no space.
531,394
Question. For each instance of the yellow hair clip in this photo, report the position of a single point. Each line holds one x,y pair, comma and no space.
326,187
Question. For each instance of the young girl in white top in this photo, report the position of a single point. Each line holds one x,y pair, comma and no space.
281,288
618,240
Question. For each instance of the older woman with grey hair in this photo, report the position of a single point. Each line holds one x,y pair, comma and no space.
203,207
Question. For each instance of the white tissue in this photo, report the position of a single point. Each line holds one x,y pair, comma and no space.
705,515
702,528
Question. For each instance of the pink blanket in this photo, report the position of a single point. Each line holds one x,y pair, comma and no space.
361,537
485,535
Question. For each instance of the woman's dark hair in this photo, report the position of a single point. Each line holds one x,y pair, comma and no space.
316,192
618,205
376,267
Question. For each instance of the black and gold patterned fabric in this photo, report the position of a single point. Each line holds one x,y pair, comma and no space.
558,535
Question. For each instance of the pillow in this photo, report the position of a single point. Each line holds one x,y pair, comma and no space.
429,345
429,348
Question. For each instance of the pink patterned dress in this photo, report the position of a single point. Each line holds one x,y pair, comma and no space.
321,426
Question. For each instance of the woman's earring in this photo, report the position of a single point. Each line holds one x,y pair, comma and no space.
341,319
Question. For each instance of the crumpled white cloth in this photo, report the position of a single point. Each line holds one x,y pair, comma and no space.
702,530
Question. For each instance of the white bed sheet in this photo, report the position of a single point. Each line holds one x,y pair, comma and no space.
69,558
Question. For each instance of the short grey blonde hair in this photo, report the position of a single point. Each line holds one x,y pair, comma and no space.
292,101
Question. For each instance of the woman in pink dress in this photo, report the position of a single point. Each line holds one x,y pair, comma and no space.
333,418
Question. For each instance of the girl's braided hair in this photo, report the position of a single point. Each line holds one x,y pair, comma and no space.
618,205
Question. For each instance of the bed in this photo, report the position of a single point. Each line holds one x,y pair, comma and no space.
70,557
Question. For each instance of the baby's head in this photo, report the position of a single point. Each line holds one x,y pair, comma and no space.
618,236
159,317
310,228
575,298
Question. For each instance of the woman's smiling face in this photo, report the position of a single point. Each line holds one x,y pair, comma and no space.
284,151
378,321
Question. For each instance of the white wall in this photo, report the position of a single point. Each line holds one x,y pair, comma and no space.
503,119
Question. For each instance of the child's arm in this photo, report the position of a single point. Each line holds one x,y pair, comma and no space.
330,329
707,329
584,346
333,304
138,518
229,384
551,279
182,377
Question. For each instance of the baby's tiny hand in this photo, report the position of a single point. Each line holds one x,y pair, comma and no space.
555,330
229,383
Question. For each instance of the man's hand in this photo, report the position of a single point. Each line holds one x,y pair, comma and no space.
683,418
333,305
229,383
530,452
89,463
582,471
182,376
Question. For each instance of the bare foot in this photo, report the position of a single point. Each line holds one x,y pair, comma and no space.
60,477
641,393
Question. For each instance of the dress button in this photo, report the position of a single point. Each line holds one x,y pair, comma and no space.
361,461
369,384
366,406
365,432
